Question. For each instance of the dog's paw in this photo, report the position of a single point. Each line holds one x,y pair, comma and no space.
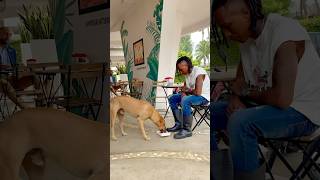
147,138
124,134
114,138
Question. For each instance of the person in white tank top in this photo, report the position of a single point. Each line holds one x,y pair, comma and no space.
196,91
276,93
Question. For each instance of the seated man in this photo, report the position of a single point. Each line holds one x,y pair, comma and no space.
196,91
11,83
276,93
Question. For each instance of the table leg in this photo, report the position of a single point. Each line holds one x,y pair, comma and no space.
166,99
43,88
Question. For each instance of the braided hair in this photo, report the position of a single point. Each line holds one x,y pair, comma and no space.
187,60
255,8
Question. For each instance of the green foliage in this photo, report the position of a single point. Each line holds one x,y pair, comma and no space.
152,58
154,29
153,63
311,24
154,32
129,71
38,21
186,43
203,51
157,14
276,6
127,53
24,34
64,39
121,69
49,23
179,78
233,55
17,47
65,47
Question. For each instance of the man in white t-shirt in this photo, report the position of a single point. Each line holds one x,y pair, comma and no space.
196,91
276,93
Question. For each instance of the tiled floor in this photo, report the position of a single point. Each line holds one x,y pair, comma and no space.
162,157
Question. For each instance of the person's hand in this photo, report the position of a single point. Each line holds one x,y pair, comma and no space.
236,87
235,104
183,94
183,89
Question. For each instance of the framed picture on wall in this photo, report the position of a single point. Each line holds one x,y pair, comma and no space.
87,6
138,52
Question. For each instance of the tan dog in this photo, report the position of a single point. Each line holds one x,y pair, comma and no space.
140,109
76,144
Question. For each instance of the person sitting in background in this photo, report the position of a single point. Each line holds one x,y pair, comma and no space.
276,93
196,91
8,61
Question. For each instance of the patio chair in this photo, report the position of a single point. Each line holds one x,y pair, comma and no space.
7,107
11,93
308,145
83,95
136,88
47,75
204,112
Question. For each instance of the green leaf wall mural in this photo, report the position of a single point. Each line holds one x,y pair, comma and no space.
63,38
127,53
154,29
158,14
153,58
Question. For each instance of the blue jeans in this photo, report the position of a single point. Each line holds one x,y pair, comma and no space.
185,102
246,125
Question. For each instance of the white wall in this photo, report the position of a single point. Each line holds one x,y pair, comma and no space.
170,39
136,22
91,36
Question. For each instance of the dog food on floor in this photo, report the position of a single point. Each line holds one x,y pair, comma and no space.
163,134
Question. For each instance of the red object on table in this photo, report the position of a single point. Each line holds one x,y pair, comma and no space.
80,58
31,61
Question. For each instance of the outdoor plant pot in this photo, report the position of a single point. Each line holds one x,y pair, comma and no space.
124,77
44,50
25,52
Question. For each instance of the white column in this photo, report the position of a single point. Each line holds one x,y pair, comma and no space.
169,43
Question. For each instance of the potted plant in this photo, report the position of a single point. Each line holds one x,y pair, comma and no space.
39,23
25,44
122,72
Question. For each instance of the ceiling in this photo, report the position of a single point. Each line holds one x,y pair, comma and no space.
195,13
118,10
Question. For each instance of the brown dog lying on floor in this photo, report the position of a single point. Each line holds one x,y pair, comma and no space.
140,109
76,144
